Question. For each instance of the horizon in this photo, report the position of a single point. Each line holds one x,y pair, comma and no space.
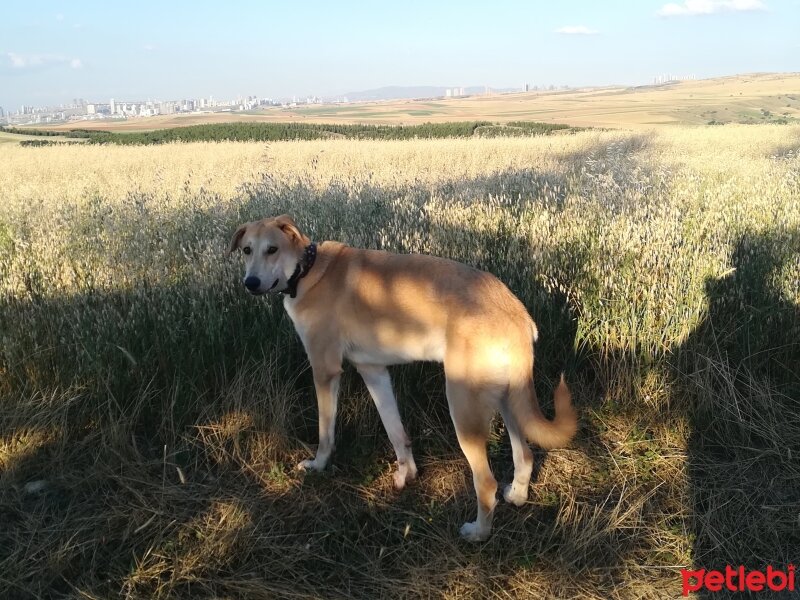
53,53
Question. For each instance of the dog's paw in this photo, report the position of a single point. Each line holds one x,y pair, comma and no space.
310,465
515,494
472,533
406,473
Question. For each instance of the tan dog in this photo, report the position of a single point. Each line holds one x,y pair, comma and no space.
378,309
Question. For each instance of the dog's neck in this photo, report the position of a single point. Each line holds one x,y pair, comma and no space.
327,253
302,269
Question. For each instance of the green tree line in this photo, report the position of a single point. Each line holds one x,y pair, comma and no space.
269,132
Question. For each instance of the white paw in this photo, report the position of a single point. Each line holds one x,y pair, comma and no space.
310,465
399,480
515,494
406,473
472,533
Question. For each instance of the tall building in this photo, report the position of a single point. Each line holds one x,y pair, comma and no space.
113,107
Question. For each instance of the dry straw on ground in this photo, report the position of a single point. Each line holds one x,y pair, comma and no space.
152,413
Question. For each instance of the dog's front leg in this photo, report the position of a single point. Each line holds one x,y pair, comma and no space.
379,384
327,386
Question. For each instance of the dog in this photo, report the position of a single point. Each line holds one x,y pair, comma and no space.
377,309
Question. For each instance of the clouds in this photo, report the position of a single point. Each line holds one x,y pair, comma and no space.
23,62
709,7
576,30
688,8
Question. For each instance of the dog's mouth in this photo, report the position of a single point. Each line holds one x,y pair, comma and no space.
261,292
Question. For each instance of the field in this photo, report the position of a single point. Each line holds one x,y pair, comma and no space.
151,412
14,138
756,98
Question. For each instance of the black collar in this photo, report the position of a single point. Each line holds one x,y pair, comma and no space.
302,269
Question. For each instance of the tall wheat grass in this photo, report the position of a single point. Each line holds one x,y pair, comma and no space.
151,411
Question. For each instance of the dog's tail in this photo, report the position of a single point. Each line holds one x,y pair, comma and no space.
537,428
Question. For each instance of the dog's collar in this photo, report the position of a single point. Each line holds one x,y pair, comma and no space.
302,269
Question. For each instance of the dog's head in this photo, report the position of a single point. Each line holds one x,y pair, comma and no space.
272,250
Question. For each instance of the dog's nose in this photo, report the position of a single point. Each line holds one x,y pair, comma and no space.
252,283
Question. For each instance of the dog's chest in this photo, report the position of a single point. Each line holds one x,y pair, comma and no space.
299,326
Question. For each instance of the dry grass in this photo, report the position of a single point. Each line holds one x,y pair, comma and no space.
152,413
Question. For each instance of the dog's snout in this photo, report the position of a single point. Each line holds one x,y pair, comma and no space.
252,283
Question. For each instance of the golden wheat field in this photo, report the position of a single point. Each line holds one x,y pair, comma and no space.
151,412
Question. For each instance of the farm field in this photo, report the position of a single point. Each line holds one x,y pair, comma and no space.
151,412
756,98
14,138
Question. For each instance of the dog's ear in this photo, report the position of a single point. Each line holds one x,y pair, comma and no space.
288,226
237,238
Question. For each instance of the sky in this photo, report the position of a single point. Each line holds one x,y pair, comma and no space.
52,52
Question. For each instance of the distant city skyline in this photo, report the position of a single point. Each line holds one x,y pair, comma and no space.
80,109
52,52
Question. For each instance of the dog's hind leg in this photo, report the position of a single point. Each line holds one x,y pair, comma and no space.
472,417
517,492
379,384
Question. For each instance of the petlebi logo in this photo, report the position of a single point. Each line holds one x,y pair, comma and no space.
738,579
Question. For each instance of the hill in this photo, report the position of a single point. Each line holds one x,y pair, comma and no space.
755,98
396,92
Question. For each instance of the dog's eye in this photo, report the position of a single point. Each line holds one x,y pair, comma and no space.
272,250
246,250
